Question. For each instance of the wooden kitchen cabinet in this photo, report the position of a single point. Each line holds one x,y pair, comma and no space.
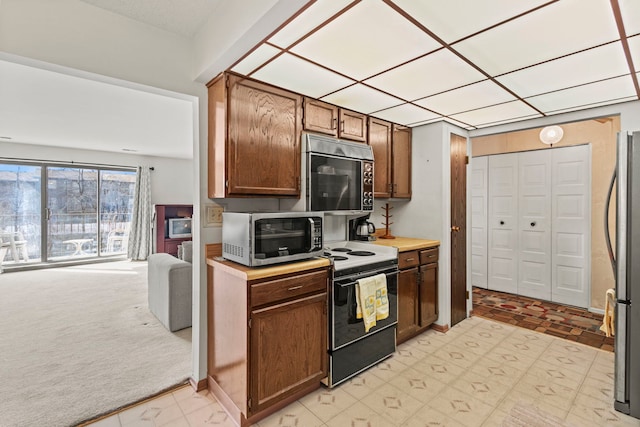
417,292
267,335
391,146
329,119
254,139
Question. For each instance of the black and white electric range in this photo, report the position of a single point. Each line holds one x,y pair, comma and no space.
351,350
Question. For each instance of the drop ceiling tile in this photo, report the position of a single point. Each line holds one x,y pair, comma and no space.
452,20
434,73
585,67
362,98
513,110
300,76
467,98
315,15
366,40
405,114
258,57
630,12
557,29
594,105
577,97
634,47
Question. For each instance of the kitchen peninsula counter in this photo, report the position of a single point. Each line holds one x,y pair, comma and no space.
267,334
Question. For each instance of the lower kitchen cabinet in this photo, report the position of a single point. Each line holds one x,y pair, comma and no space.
417,292
267,335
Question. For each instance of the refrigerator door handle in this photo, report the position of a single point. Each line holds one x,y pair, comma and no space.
622,169
607,235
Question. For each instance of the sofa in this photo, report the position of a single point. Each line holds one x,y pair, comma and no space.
170,290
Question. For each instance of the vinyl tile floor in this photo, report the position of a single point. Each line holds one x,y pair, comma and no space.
479,373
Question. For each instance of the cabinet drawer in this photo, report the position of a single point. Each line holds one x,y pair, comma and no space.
428,256
289,287
408,259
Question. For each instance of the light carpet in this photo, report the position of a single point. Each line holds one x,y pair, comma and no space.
78,342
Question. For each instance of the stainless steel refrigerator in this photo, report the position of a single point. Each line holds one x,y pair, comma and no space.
626,267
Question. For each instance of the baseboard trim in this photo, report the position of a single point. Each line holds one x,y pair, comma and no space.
198,385
440,328
596,310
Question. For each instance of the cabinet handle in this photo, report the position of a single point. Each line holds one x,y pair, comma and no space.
335,123
342,126
295,287
409,259
455,228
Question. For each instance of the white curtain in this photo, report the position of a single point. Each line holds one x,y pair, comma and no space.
140,234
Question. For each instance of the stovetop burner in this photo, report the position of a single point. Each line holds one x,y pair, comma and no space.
361,253
342,250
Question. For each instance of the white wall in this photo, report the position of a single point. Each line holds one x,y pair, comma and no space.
171,180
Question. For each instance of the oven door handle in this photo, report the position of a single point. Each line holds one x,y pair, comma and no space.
353,282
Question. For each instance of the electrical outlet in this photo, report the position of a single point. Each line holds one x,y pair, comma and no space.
213,215
217,214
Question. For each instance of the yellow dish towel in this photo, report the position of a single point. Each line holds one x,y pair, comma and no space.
608,326
372,302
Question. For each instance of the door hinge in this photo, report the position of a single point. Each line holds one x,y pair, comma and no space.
466,160
226,184
466,294
250,320
298,182
249,403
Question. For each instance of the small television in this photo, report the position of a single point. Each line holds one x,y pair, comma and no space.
179,228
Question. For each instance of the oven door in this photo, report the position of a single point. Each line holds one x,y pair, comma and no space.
346,327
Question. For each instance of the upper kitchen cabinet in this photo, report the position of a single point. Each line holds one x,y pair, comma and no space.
401,155
392,153
254,139
327,118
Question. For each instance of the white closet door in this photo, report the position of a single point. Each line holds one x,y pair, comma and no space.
534,224
571,225
503,223
479,192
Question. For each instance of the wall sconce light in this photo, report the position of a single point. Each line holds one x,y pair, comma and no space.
551,135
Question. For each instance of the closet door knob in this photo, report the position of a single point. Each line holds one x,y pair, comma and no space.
501,222
533,224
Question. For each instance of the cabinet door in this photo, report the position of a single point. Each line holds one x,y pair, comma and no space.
407,308
288,349
401,169
263,155
428,294
353,126
380,142
320,117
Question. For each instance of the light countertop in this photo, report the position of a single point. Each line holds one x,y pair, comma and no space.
407,243
254,273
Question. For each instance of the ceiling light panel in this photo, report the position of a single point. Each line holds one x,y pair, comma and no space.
453,20
448,120
315,15
502,122
362,99
258,57
630,10
405,114
434,73
585,67
508,111
541,35
368,39
298,75
608,90
466,98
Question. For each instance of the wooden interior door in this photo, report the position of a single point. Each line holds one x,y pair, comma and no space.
458,228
